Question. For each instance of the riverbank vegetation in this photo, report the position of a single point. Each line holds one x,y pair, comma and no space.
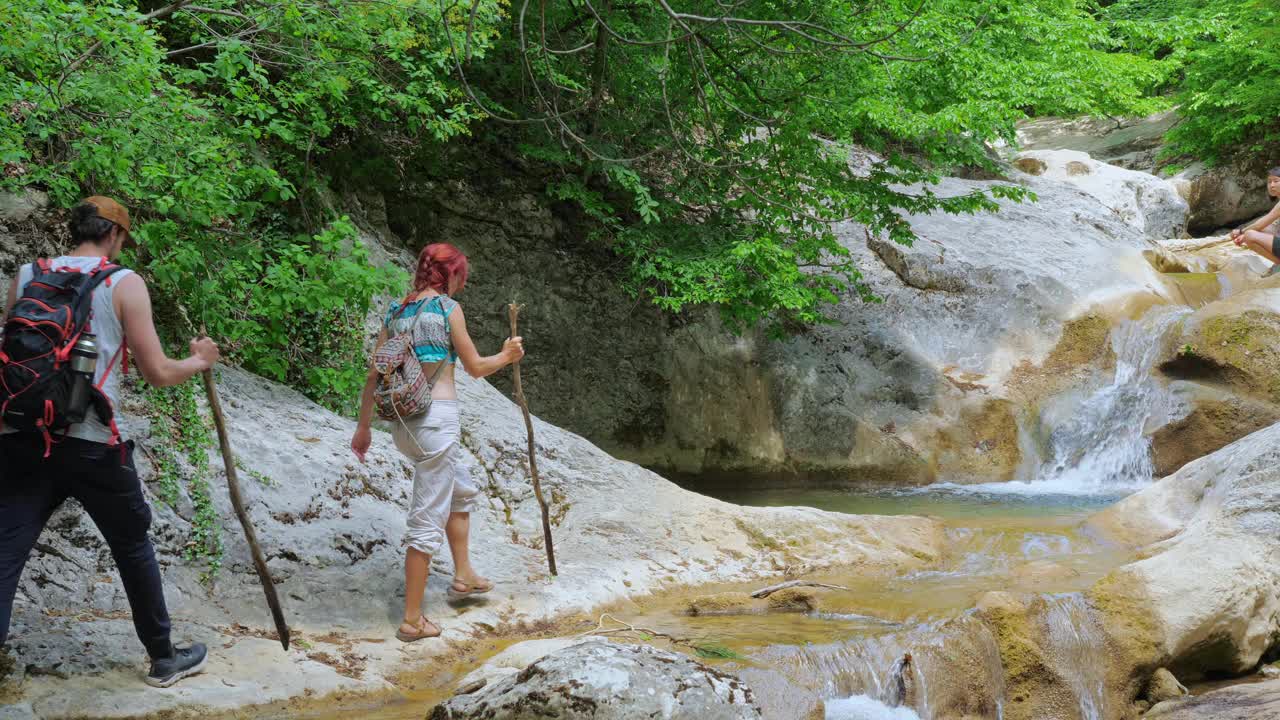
1217,61
700,142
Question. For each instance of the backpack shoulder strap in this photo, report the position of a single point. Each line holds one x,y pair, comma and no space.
101,275
96,278
81,309
439,369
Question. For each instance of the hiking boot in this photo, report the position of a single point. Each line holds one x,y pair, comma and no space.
184,662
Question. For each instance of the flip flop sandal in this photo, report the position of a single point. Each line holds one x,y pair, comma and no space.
469,589
422,632
1274,269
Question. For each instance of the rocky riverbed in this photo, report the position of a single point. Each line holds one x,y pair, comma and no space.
331,529
1066,345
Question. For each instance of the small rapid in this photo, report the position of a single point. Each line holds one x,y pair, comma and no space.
905,674
915,646
1076,639
1099,444
1094,442
862,707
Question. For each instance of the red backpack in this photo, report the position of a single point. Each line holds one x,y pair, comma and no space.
36,380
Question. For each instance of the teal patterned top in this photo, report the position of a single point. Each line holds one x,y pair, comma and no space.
428,320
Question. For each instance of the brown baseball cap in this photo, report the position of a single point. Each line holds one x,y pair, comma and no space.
109,209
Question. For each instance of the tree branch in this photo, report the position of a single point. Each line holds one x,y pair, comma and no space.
153,15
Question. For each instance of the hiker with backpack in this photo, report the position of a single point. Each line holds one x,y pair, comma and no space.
70,322
411,384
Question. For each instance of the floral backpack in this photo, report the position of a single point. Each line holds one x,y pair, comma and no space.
403,390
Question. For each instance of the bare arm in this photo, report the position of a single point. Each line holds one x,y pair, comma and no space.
1266,220
133,306
475,365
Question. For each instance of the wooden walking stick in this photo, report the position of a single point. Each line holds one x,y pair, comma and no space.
233,487
513,311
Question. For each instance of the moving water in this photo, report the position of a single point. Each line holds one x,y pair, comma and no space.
1102,445
1094,443
1075,638
906,674
911,646
861,707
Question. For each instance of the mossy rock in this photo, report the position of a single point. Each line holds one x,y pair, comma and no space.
982,445
1248,345
1215,421
1030,165
1032,687
1085,341
1082,350
1134,636
725,603
1239,350
793,600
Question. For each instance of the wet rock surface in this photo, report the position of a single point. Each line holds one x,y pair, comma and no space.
859,401
608,681
1233,342
1253,701
1150,204
1223,372
1205,597
1213,419
331,530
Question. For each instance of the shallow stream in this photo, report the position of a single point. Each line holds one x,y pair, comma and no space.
904,647
849,651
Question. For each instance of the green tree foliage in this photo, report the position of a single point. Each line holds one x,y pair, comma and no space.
1230,99
710,142
1221,59
205,121
707,144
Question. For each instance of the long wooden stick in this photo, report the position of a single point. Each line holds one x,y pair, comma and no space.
233,487
513,311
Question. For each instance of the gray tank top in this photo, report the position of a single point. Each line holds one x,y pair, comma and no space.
110,335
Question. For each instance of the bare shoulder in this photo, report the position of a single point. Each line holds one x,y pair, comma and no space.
131,283
130,292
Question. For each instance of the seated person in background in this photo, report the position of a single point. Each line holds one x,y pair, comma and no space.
1256,236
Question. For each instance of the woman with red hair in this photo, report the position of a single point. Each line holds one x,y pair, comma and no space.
443,492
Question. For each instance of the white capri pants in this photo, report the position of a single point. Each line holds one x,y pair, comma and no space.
441,477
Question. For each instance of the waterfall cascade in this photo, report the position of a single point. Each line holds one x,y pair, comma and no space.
1090,442
1098,443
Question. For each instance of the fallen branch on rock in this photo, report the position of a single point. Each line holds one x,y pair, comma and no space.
767,591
